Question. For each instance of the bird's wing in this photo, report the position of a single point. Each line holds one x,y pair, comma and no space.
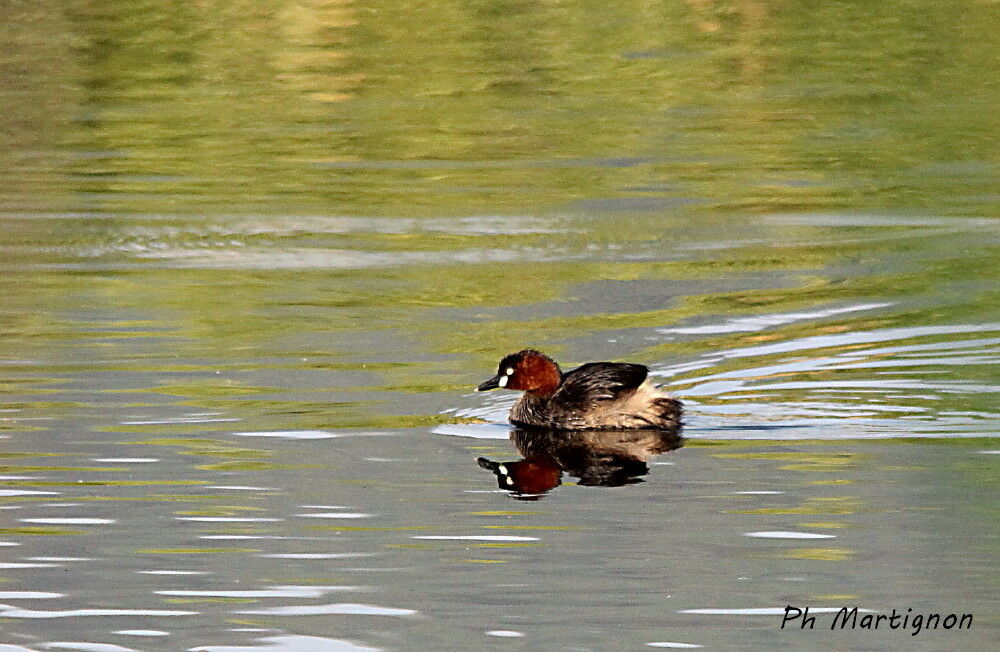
599,381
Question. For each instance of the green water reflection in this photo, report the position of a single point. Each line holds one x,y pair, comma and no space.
454,187
456,107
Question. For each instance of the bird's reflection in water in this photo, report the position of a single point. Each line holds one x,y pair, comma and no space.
602,458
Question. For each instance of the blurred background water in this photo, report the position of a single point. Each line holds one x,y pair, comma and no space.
255,256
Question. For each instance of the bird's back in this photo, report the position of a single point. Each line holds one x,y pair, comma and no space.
600,395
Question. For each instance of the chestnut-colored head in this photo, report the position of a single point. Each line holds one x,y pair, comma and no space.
528,370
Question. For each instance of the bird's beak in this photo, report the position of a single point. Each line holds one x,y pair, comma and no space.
492,383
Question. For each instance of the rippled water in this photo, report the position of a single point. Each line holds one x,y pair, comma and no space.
256,258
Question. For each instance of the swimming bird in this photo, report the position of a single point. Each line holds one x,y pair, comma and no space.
597,395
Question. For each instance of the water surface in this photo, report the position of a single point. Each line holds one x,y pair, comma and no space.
255,259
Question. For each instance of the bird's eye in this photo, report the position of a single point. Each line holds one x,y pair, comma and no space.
510,370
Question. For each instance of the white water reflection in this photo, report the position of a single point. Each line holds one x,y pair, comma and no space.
127,460
319,555
864,337
29,595
9,611
303,258
86,647
272,592
49,558
475,537
178,421
290,643
788,535
292,434
340,609
242,537
499,431
69,521
228,519
761,322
